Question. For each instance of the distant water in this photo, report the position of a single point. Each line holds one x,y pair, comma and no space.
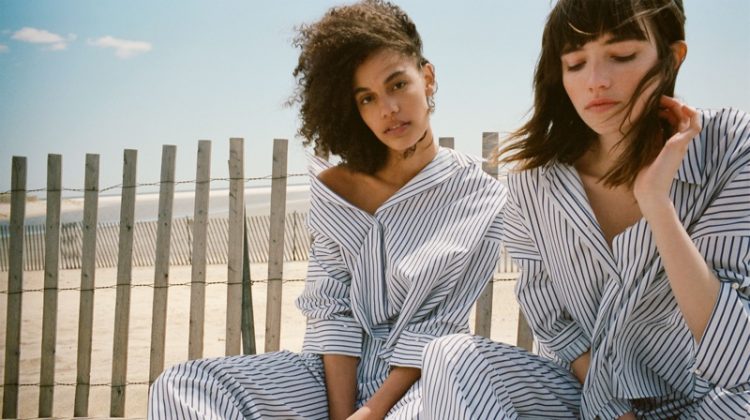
257,203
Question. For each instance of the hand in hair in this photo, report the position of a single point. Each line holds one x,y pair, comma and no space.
653,182
693,283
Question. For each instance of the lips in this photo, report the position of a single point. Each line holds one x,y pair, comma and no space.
397,128
600,104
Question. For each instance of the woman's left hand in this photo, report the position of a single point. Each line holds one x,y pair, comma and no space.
653,182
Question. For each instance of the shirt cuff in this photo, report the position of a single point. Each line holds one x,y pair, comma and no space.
408,350
570,343
724,350
333,336
614,409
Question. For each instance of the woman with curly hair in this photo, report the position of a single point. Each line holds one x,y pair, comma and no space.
629,217
405,237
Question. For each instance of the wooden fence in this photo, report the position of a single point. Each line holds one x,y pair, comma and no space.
199,241
296,243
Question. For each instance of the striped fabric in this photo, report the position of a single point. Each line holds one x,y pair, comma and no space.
580,294
379,287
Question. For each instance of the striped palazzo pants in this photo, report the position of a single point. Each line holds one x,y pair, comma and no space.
280,385
472,377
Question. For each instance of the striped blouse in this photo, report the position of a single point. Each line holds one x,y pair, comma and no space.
580,294
410,272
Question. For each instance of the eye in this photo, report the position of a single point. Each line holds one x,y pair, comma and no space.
399,85
574,67
623,58
364,99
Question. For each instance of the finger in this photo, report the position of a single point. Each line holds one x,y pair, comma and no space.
669,102
688,128
691,122
695,118
672,110
666,114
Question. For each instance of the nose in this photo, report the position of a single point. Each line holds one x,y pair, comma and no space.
388,107
598,77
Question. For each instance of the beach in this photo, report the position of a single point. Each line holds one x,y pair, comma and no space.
257,203
504,321
504,318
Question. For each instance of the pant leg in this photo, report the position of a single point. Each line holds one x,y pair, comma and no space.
471,377
273,385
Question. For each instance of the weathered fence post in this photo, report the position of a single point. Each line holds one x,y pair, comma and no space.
88,273
198,260
124,280
483,320
248,318
15,287
525,337
51,273
276,245
234,245
446,142
161,262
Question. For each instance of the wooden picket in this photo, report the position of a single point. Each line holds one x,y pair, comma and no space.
15,286
51,275
88,283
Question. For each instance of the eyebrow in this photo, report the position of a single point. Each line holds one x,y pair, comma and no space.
612,40
390,77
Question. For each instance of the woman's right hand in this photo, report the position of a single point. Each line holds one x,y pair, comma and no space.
363,413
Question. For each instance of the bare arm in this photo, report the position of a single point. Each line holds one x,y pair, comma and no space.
580,366
341,384
395,386
694,286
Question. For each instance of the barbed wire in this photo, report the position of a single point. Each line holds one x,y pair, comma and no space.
152,286
498,279
66,384
155,184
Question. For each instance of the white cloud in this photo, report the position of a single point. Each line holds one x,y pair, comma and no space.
123,47
3,48
54,41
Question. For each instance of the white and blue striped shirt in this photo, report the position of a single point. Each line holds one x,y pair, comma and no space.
580,294
407,274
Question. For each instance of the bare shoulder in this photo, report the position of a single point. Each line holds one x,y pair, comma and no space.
339,180
361,190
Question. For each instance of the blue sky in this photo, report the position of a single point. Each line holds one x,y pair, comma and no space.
99,76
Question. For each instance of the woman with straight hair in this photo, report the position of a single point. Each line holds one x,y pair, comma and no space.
629,216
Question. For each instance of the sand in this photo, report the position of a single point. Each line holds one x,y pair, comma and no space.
504,320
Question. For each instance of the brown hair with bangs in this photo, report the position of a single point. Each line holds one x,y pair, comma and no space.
331,50
555,131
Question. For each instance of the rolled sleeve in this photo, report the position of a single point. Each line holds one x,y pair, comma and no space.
614,409
331,327
723,238
408,350
723,356
325,336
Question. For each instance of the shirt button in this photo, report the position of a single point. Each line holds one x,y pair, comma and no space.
697,371
735,286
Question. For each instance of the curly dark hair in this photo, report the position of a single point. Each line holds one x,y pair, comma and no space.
555,131
331,50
